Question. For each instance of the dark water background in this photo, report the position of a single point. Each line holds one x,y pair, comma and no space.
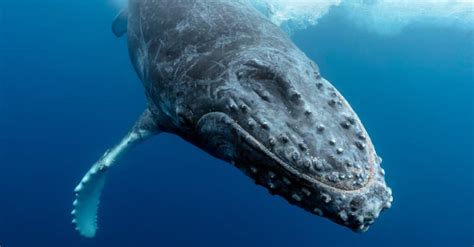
68,92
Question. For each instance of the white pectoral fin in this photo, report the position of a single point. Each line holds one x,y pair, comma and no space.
90,188
87,199
120,24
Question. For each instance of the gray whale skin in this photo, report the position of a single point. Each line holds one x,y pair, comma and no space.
221,76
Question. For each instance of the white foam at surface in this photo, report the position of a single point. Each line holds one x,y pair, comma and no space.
300,12
391,16
381,16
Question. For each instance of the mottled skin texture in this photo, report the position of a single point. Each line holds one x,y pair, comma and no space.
221,76
224,78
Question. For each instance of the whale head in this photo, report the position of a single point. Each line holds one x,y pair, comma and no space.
292,132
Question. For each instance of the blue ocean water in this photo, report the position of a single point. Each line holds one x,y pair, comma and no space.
68,92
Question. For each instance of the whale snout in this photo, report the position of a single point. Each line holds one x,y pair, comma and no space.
293,133
359,209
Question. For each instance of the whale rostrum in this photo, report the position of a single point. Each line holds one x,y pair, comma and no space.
221,76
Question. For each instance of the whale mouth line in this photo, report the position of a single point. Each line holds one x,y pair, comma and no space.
258,146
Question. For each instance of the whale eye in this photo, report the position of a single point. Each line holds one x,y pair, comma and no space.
255,70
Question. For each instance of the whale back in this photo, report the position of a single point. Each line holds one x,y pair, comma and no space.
185,50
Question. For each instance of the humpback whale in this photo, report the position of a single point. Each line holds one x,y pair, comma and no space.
221,76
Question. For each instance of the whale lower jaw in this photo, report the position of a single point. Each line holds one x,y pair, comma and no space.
355,209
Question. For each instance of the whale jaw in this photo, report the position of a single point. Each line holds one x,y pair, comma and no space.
356,209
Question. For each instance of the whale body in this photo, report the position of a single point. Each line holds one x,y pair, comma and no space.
221,76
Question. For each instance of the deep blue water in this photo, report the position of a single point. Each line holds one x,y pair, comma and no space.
68,92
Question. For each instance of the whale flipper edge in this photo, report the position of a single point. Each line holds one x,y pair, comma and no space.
89,190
